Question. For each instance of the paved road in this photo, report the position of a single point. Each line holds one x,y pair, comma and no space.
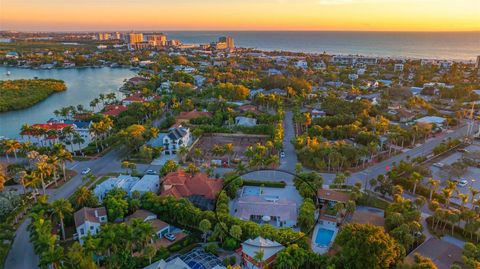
288,163
422,150
22,255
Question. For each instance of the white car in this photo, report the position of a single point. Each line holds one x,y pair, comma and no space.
439,165
170,237
282,154
86,171
462,183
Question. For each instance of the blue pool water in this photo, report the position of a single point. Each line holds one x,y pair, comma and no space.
324,237
251,191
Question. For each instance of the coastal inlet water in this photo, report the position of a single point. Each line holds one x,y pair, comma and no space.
83,85
424,45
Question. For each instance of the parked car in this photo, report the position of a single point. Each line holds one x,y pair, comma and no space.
462,183
170,237
282,154
150,172
463,150
439,165
86,171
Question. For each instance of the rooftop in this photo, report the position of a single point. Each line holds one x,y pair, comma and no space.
89,214
332,195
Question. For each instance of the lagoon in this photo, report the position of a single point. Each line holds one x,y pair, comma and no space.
83,85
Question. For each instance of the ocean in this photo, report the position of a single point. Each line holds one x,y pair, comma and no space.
462,46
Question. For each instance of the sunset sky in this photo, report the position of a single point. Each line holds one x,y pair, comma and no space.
362,15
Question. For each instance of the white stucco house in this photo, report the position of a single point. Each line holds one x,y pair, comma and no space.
88,221
125,182
176,138
148,183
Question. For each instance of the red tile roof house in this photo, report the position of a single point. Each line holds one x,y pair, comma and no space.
46,139
137,97
88,221
328,199
114,110
198,188
248,108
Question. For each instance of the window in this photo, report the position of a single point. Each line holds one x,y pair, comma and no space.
91,227
82,231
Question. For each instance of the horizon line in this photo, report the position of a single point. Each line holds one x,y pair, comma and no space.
245,30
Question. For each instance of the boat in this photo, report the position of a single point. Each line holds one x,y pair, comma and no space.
8,73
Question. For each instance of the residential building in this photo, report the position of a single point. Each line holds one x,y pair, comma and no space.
125,182
148,183
198,188
160,228
133,38
320,65
301,64
248,108
352,76
327,200
316,113
176,263
176,138
12,55
228,40
157,40
269,248
88,221
398,68
103,36
245,121
45,134
114,110
278,212
83,129
438,121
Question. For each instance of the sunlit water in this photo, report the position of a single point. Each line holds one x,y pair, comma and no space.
435,45
83,85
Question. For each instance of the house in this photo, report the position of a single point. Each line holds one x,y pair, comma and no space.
327,199
12,55
398,68
352,76
273,72
439,121
125,182
405,115
186,116
320,65
245,121
199,80
113,110
160,228
176,263
316,113
251,247
176,138
148,183
88,221
137,97
83,129
248,108
279,212
137,81
198,188
301,64
45,134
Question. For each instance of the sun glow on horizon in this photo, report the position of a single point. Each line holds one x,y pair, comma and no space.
333,15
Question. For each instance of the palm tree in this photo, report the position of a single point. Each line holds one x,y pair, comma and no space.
229,150
43,170
416,178
197,154
259,256
447,194
473,193
11,146
64,156
78,140
149,252
126,165
433,183
60,208
83,197
463,199
182,152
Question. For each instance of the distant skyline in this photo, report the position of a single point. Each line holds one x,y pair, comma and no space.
243,15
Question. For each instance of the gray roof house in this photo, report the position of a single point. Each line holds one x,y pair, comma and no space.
245,121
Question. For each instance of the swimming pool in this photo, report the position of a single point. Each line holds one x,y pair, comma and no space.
324,237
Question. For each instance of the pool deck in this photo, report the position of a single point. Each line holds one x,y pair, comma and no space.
322,249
